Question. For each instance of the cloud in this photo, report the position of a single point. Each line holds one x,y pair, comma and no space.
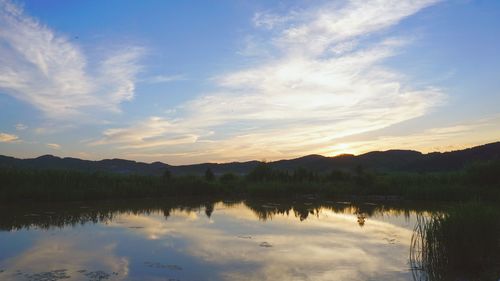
269,20
323,81
164,79
154,132
332,23
8,137
73,254
440,138
54,145
21,127
50,72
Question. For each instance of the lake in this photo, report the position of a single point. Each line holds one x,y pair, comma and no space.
208,239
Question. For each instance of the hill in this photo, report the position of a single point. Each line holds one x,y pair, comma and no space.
391,160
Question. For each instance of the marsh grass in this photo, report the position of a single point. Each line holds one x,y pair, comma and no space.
263,181
61,185
461,244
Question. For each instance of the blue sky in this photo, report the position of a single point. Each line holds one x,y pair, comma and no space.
197,81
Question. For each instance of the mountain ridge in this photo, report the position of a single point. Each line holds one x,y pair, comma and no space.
389,160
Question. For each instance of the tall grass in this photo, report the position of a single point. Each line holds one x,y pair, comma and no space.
61,185
461,244
481,181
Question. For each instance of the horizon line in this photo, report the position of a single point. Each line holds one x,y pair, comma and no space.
262,161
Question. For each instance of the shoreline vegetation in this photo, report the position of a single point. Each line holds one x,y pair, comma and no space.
480,181
462,243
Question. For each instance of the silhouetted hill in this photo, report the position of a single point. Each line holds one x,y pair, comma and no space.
391,160
108,165
233,167
446,161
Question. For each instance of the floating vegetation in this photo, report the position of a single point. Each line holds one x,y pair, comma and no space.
161,265
390,240
244,236
265,245
54,275
97,275
274,204
268,206
61,274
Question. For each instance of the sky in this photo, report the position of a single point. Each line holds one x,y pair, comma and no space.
233,80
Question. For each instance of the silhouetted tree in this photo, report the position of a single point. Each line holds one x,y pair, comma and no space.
167,175
209,175
262,172
228,177
359,170
302,174
338,175
363,177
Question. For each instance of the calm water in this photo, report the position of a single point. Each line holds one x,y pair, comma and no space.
212,240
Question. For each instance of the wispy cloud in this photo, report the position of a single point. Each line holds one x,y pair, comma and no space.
319,85
163,79
439,138
21,127
315,31
8,137
269,20
54,146
52,73
154,132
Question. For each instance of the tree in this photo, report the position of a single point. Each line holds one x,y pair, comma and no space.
261,172
338,175
209,175
228,177
167,175
301,174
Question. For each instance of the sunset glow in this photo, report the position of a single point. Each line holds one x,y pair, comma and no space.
245,80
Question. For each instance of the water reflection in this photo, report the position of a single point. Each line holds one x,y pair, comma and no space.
208,240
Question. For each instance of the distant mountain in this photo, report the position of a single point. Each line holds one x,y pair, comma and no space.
391,160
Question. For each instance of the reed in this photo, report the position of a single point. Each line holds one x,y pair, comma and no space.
460,244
